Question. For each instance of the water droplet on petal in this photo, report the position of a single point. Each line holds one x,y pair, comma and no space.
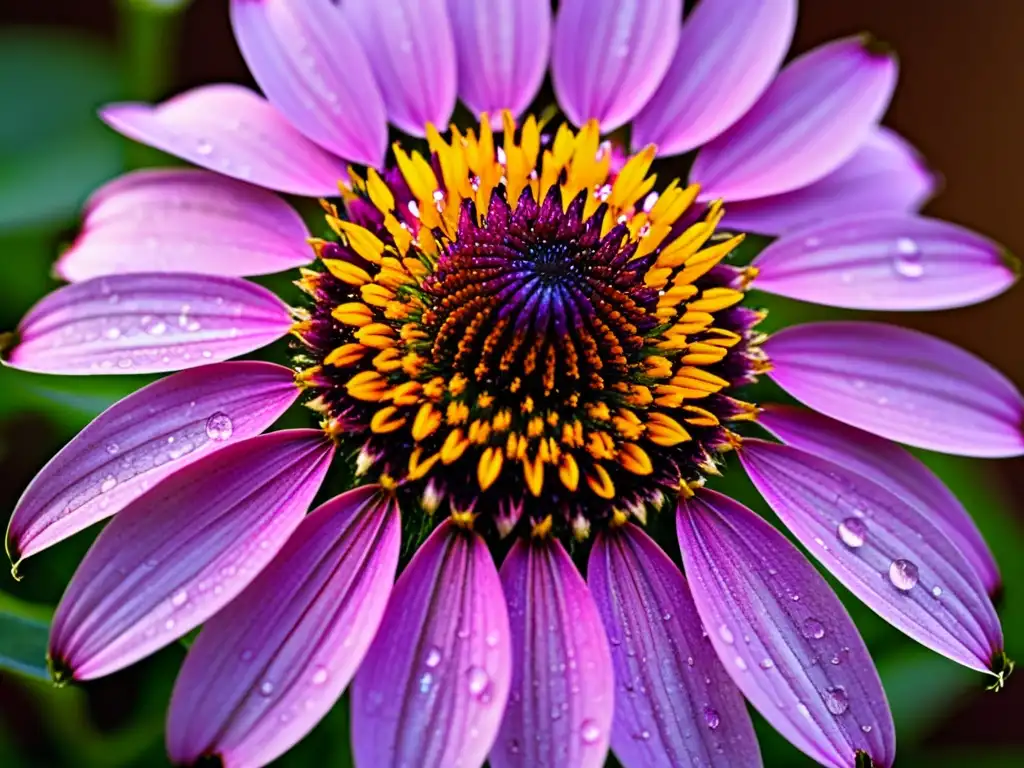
478,680
266,688
766,664
180,598
425,680
219,426
907,261
492,638
204,147
320,676
712,718
852,532
814,629
866,728
936,591
590,732
903,575
246,655
836,700
108,484
726,634
433,657
112,448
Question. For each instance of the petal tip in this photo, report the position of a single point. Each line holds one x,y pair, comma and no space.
60,670
876,48
1009,260
1002,667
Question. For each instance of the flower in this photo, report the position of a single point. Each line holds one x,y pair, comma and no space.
520,343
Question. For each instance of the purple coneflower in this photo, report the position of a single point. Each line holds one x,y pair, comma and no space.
520,341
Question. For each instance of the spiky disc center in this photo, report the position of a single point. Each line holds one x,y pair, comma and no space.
521,337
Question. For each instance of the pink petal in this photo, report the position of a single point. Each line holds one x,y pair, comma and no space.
502,49
783,635
885,175
892,467
270,665
434,684
184,549
146,323
409,45
231,130
813,117
306,58
886,261
727,55
900,384
560,709
140,440
888,553
675,704
608,56
182,220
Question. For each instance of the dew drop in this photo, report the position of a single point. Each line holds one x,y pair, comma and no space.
433,657
246,655
766,664
204,147
425,680
319,676
907,259
712,718
852,532
814,629
492,638
219,426
741,664
478,681
836,700
108,484
590,732
180,598
266,688
726,634
113,448
866,728
157,329
936,591
903,575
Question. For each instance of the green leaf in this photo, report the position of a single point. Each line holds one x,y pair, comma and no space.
53,148
24,629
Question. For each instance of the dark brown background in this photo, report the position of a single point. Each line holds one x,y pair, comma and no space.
959,101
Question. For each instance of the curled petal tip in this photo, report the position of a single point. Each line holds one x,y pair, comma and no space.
1002,668
1009,259
876,47
60,670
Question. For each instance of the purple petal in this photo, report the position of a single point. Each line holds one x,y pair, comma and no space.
231,130
675,704
308,61
888,553
146,323
812,118
184,549
886,261
269,666
181,220
885,175
727,55
783,635
892,467
608,57
502,49
434,684
560,710
900,384
142,439
410,47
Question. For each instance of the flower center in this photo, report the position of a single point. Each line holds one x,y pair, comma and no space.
525,334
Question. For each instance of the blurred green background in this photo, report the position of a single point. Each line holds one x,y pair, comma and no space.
959,101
